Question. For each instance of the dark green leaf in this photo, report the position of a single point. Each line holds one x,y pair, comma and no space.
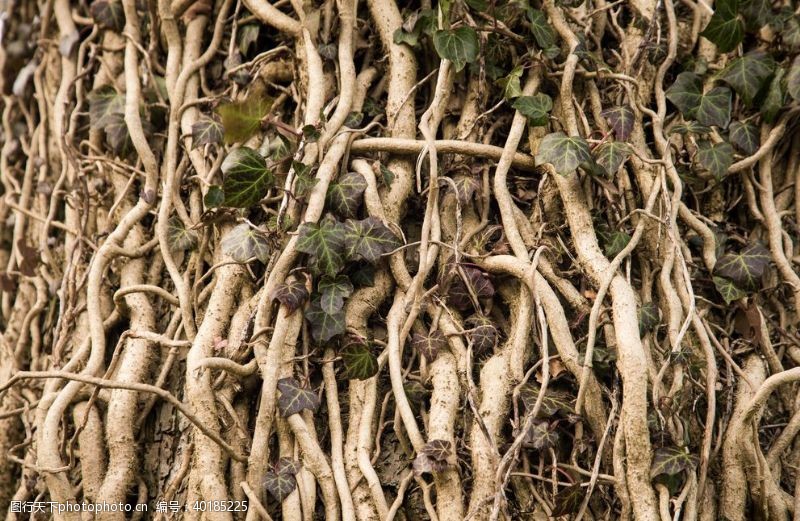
791,33
108,14
611,155
429,345
328,51
247,178
465,188
359,362
354,119
774,100
730,292
541,436
478,5
542,31
294,398
648,317
363,275
435,456
324,326
311,133
510,83
715,158
757,13
344,196
242,119
402,36
725,28
117,135
333,291
793,79
482,333
287,466
715,107
670,461
686,92
279,484
387,176
248,35
745,137
243,243
554,401
105,106
291,294
614,241
472,282
621,119
563,152
748,74
368,239
746,267
214,197
460,46
690,127
536,108
178,237
325,243
304,180
568,501
206,131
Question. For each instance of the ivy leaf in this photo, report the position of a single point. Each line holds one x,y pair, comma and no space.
554,401
563,152
648,317
478,5
464,187
363,275
730,292
757,14
791,33
304,181
214,197
482,333
105,104
359,362
747,74
568,501
536,108
354,119
248,35
243,243
117,135
242,119
247,177
475,280
344,196
279,484
429,345
368,239
715,158
108,14
387,176
745,136
294,398
614,241
746,267
621,119
324,326
670,461
510,83
541,436
774,100
311,133
460,46
611,155
178,237
793,79
686,93
435,456
690,127
325,243
725,28
287,466
333,291
206,131
715,107
291,294
542,31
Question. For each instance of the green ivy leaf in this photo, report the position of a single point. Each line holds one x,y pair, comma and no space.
344,196
554,401
429,345
478,5
304,180
690,127
324,326
325,242
614,241
791,33
333,291
435,456
730,292
510,83
536,108
368,239
542,31
774,100
214,197
686,93
482,333
725,28
648,317
291,294
568,500
178,237
294,398
108,14
716,158
117,135
242,119
359,362
621,119
563,152
206,131
670,461
311,133
541,436
460,46
745,136
106,106
748,74
757,13
746,267
248,35
715,107
243,243
247,178
611,155
473,281
279,484
793,79
387,176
